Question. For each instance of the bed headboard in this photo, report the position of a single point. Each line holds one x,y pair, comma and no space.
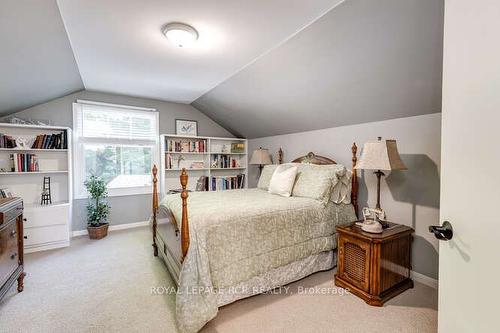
312,158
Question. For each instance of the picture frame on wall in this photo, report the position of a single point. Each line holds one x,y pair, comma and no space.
186,127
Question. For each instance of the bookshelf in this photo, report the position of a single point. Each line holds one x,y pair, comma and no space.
46,152
212,157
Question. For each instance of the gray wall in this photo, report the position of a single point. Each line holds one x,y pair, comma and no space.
36,59
409,197
363,61
124,209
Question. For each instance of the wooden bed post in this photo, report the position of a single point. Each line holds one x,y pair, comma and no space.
155,207
354,180
184,224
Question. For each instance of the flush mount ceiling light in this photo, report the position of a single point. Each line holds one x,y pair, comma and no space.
180,34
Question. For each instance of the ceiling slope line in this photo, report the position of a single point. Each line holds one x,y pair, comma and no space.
269,50
71,44
236,134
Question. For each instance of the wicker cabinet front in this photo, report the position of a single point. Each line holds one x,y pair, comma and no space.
354,261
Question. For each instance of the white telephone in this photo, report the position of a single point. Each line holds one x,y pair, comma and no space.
373,214
372,220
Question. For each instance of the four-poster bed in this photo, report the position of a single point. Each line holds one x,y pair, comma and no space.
246,240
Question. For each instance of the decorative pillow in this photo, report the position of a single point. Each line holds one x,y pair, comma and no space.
282,180
265,176
316,181
341,192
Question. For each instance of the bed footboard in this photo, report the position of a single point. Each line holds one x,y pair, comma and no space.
184,225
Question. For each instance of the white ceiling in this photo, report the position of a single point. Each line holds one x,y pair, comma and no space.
119,47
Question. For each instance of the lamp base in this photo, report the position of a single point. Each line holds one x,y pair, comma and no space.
379,175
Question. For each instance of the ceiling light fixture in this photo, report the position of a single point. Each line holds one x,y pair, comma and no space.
180,34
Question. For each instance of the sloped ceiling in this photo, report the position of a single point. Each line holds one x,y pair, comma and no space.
363,61
262,67
36,60
119,46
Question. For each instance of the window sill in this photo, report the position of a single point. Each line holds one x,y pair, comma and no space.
121,192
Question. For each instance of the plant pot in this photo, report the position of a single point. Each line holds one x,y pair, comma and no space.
98,232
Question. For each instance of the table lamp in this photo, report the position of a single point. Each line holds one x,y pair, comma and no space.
260,157
380,155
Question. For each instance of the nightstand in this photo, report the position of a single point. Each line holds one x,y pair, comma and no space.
374,267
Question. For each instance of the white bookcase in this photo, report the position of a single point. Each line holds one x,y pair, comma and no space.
198,160
46,226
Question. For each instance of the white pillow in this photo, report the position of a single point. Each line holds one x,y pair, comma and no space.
282,180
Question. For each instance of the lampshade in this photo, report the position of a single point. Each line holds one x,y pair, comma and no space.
260,156
380,155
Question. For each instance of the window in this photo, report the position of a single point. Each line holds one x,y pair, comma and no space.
117,143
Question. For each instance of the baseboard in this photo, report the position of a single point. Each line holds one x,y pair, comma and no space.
424,279
124,226
46,246
128,225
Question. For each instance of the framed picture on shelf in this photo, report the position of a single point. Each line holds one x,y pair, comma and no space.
186,127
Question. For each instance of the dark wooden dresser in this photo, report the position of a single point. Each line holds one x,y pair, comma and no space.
11,244
374,267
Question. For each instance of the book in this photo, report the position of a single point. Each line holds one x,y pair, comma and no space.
222,183
51,141
197,165
21,162
7,141
187,146
224,161
202,184
5,193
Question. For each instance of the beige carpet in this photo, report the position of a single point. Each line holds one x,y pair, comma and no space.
106,286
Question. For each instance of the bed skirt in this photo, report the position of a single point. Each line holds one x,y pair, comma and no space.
269,280
278,277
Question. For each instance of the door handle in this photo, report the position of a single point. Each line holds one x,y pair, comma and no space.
444,232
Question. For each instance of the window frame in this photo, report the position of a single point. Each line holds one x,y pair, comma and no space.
79,190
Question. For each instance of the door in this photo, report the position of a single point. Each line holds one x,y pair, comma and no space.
354,261
469,264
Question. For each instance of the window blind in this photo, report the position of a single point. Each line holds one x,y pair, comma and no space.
99,121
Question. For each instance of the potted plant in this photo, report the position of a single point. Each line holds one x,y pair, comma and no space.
97,208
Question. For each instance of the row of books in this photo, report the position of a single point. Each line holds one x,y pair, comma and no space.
24,162
185,146
6,141
220,183
5,193
224,161
227,182
51,141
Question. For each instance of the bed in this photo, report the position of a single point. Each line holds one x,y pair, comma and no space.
238,243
